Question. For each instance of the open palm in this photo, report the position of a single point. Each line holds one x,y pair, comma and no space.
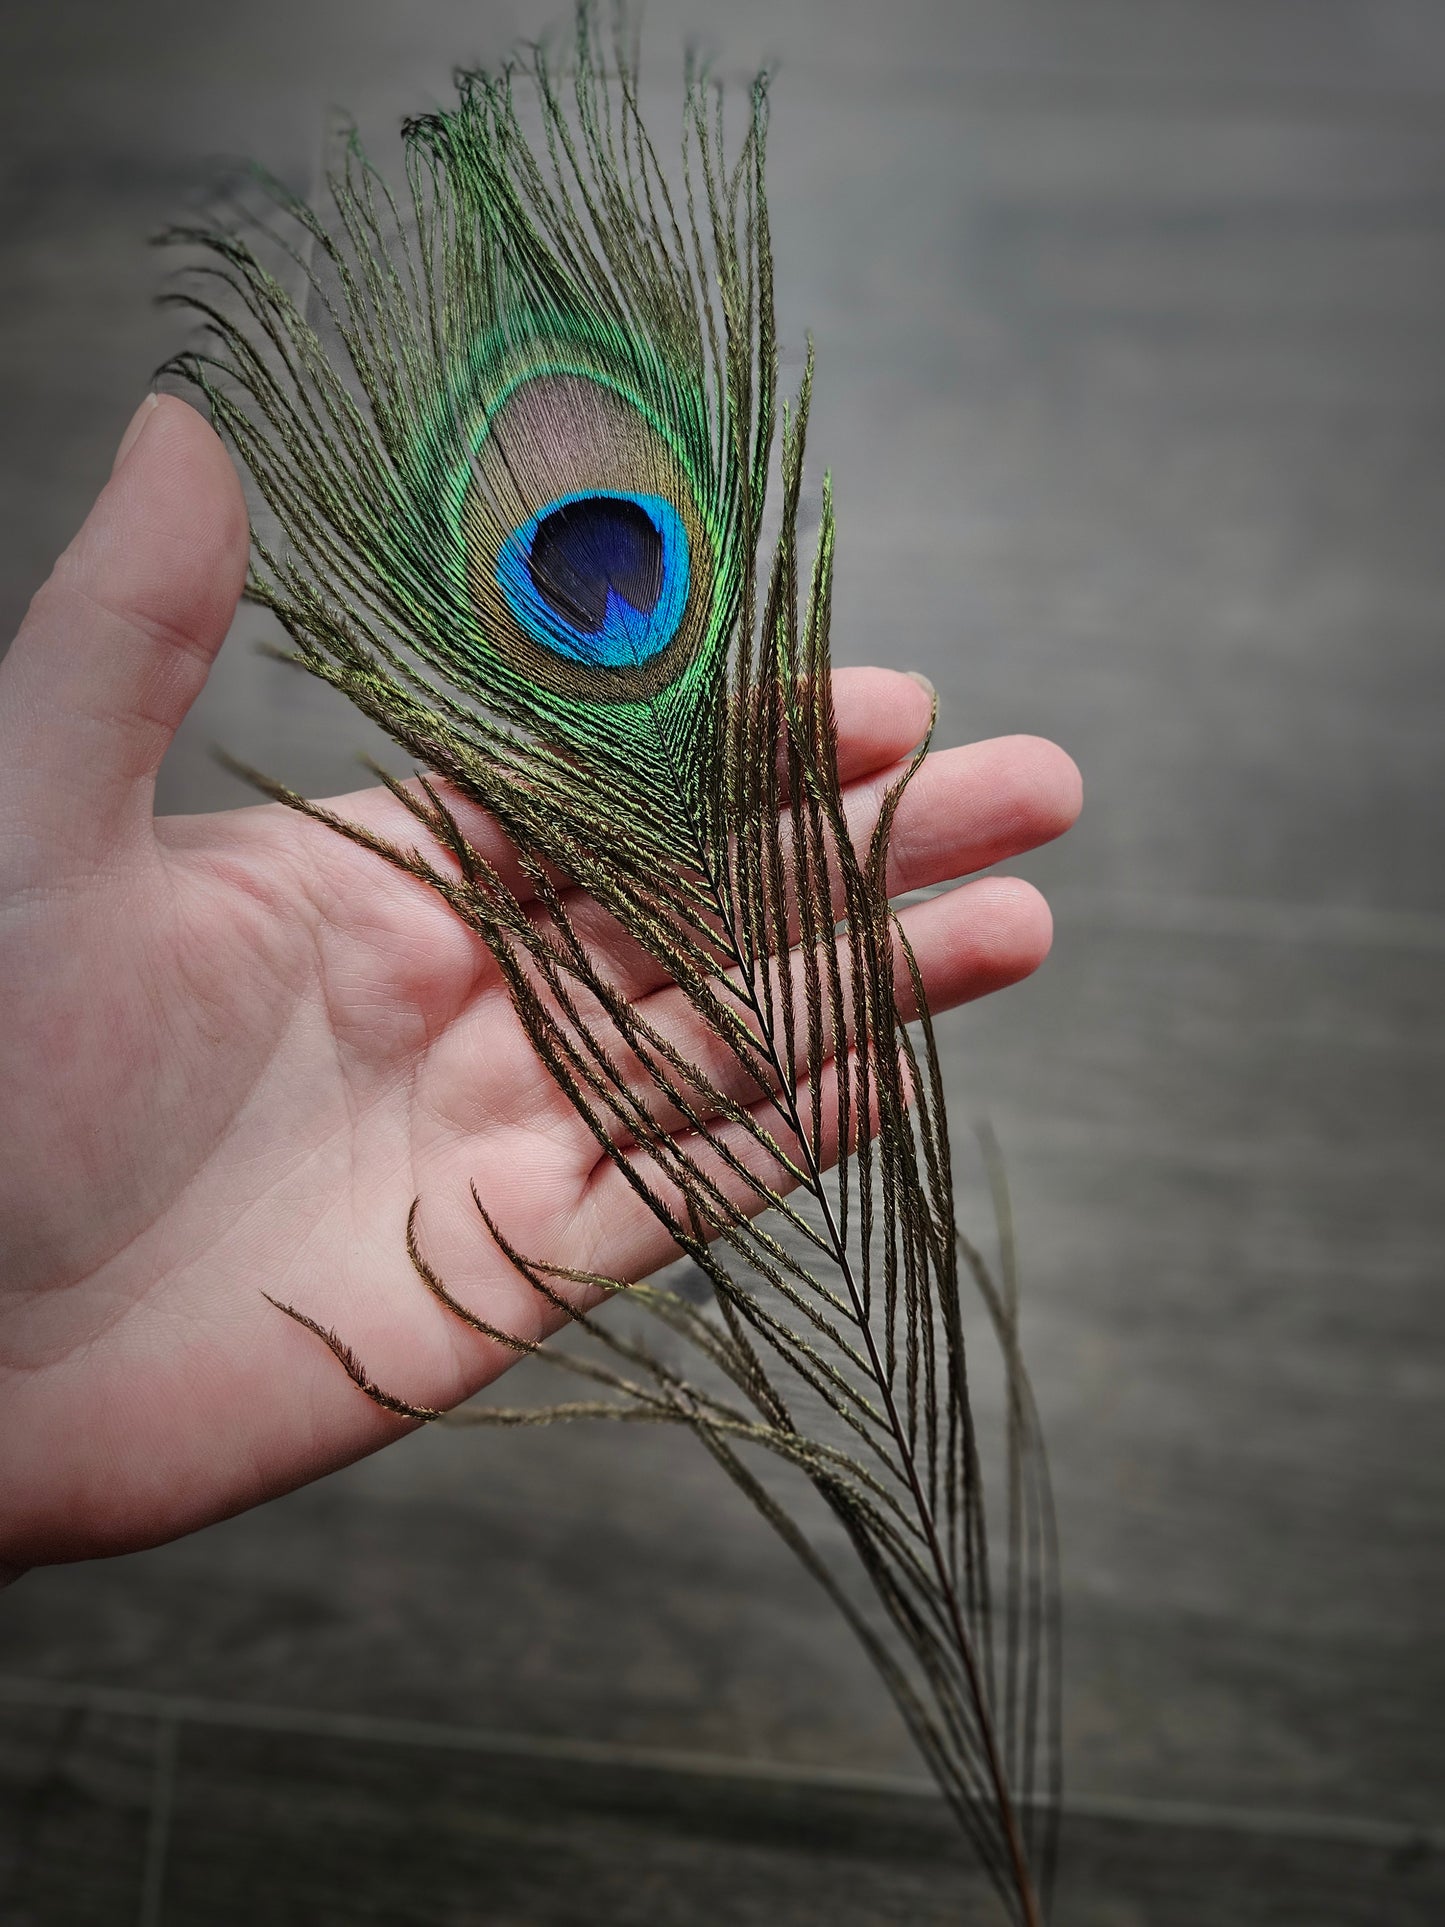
236,1047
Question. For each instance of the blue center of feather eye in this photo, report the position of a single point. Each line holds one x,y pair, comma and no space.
602,579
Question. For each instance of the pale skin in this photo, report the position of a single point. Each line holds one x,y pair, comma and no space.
236,1047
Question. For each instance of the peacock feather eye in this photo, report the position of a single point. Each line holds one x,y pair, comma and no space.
590,565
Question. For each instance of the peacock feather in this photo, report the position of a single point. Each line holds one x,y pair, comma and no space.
516,426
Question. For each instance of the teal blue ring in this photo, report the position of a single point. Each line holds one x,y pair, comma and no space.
628,637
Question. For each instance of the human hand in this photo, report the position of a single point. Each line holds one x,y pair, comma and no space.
236,1047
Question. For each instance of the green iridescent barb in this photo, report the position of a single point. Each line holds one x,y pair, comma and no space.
516,431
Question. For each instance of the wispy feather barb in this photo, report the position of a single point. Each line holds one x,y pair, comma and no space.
518,434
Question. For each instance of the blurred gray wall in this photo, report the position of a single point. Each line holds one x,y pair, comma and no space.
1129,323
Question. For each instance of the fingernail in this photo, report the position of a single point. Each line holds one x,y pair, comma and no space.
922,680
133,433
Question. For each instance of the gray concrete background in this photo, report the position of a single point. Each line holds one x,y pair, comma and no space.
1129,319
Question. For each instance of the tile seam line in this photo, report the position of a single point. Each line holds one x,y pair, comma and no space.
158,1827
192,1710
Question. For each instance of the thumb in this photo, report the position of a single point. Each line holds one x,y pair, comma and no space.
118,643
